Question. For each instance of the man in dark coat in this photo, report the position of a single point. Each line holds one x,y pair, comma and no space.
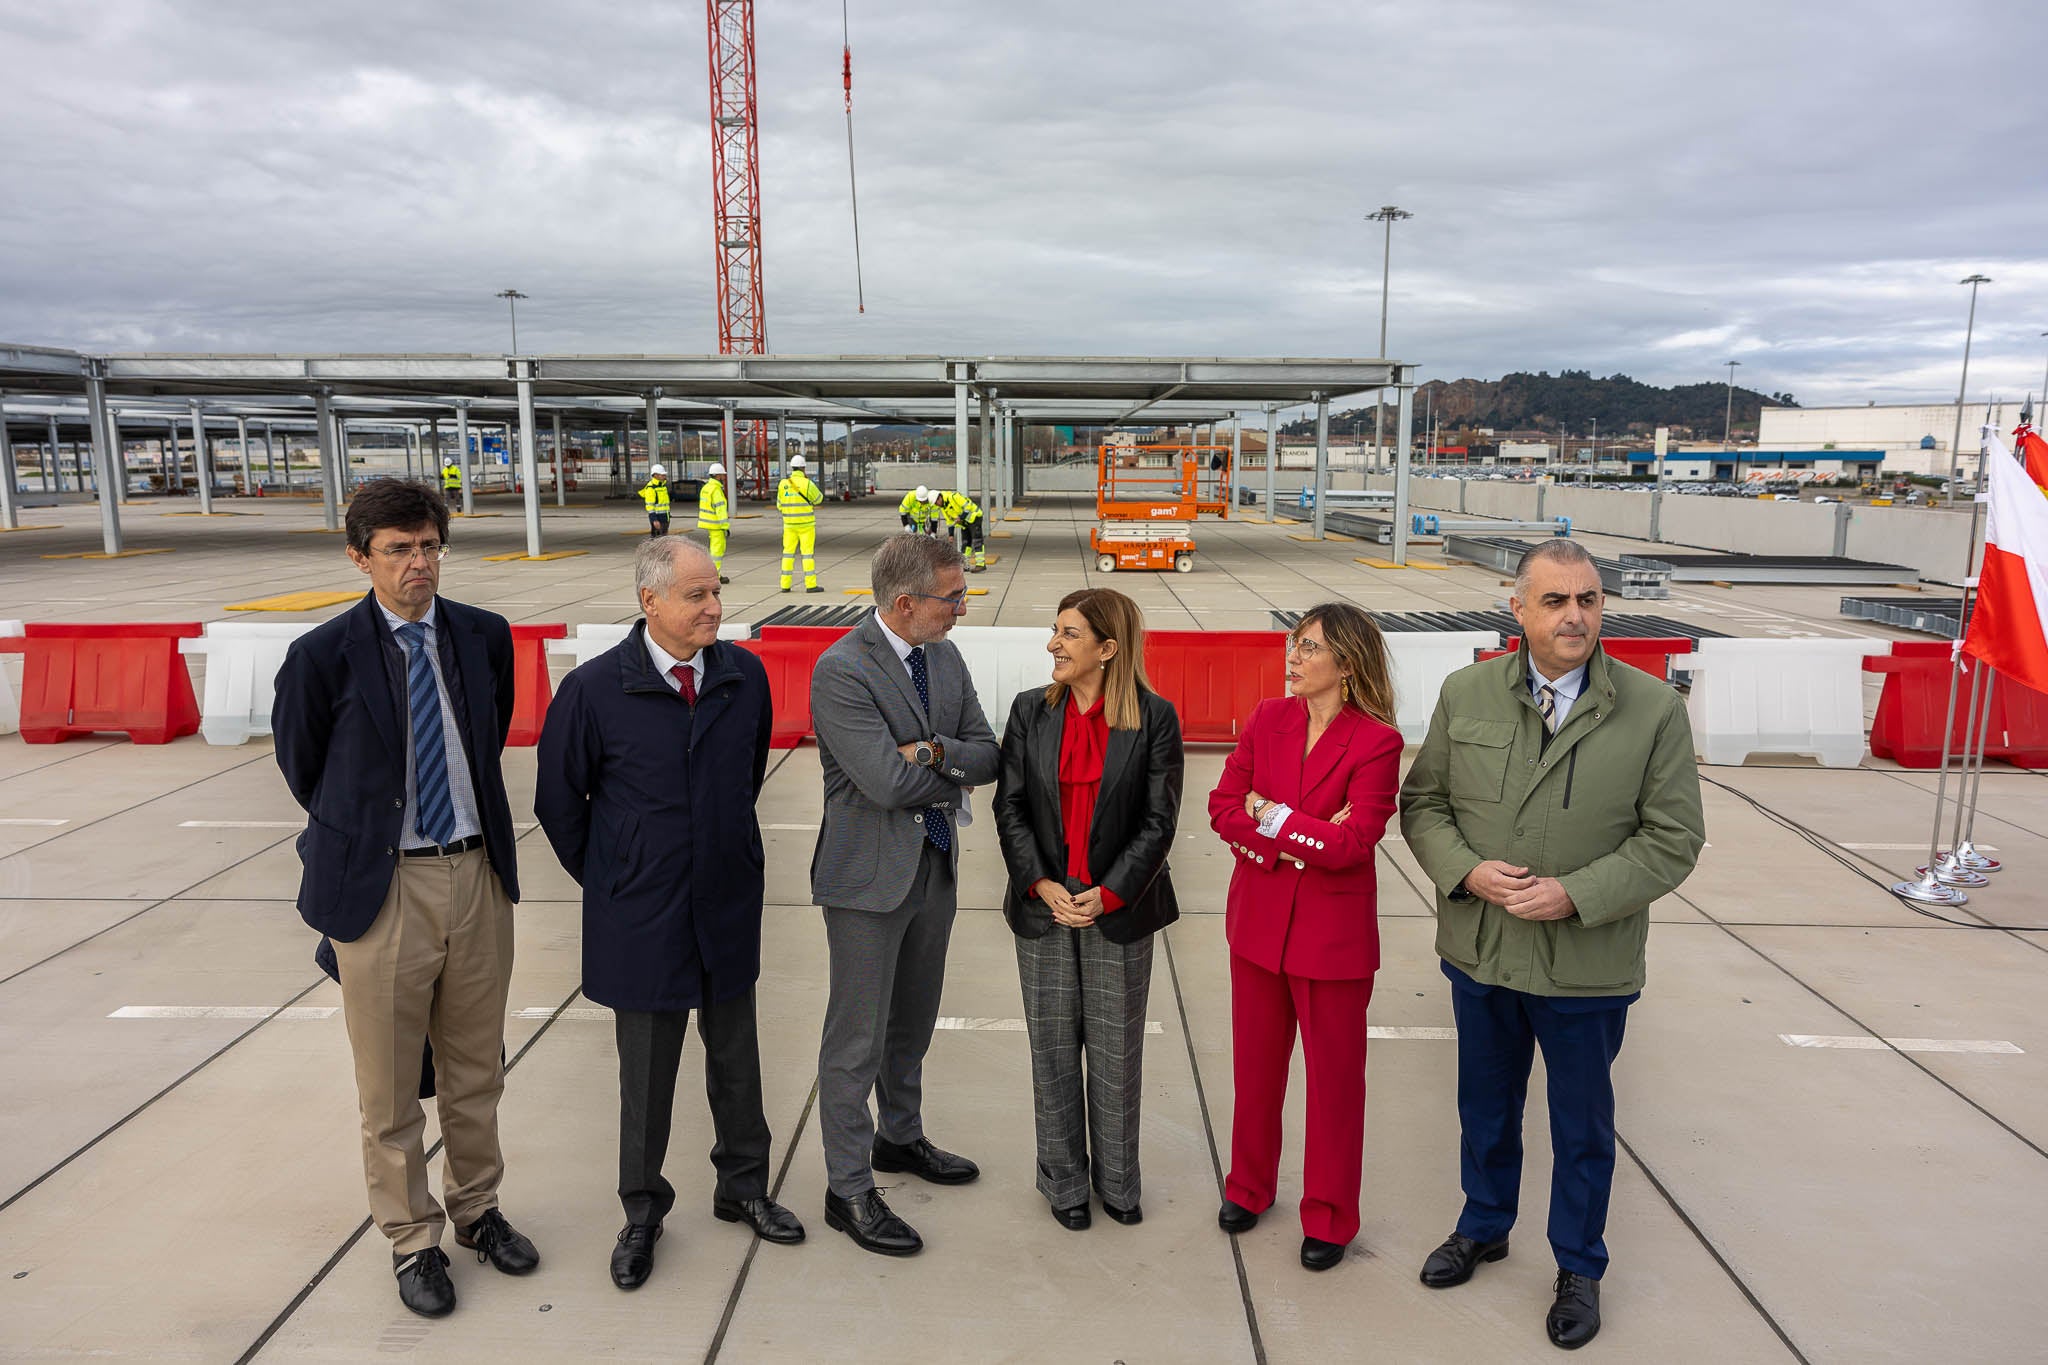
645,756
389,722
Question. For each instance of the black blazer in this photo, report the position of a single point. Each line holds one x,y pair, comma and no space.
1136,812
341,733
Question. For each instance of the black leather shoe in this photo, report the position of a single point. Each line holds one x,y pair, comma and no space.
920,1158
1574,1319
1128,1216
1075,1219
868,1221
633,1257
497,1241
423,1283
814,590
769,1220
1316,1254
1235,1217
1454,1261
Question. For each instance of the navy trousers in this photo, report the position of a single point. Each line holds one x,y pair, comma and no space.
1498,1032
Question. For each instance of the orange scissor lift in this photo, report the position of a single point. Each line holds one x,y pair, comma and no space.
1147,511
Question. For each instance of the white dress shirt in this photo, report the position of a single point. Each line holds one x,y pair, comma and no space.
664,661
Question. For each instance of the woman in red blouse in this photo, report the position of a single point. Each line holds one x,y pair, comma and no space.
1086,808
1303,801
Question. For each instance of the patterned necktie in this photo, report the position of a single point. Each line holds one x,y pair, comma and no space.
434,806
937,827
1546,706
686,678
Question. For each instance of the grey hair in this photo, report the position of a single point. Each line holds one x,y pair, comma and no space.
909,564
1556,550
654,564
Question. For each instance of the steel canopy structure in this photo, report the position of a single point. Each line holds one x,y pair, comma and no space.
1006,390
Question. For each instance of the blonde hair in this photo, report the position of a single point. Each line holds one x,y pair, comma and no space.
1112,616
1353,637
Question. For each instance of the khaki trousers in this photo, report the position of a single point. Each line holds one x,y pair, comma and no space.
435,964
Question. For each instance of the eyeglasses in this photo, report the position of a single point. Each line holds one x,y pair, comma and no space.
397,554
1306,649
958,599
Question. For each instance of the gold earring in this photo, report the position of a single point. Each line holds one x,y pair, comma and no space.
1344,689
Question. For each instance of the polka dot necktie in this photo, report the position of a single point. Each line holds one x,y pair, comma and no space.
686,679
1546,706
937,827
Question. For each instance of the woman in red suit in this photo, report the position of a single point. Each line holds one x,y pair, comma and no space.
1303,801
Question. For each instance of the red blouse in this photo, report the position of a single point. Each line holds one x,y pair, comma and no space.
1083,741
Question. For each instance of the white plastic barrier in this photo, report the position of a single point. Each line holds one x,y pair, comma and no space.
242,659
1003,661
591,639
1778,696
1421,661
10,703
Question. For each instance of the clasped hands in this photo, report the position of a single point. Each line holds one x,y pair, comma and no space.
1253,801
1075,910
1521,895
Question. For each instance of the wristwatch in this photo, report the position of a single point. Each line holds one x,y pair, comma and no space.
928,753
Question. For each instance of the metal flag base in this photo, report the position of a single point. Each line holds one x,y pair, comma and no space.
1948,873
1965,854
1929,892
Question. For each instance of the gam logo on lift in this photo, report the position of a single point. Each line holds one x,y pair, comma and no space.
1165,511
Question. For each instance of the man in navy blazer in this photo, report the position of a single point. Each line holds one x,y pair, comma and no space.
651,760
389,723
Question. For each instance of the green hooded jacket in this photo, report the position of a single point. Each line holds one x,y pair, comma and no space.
1610,807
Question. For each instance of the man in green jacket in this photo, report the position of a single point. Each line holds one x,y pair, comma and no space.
1554,799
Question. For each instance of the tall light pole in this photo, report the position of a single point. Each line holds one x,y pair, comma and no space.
512,297
1955,455
1728,415
1388,214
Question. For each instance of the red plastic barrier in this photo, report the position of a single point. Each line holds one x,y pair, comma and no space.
789,664
1651,653
822,636
1215,677
1907,727
531,690
79,679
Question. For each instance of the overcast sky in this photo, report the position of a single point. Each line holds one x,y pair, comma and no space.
1652,188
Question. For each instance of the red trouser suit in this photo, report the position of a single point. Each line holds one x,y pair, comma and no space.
1304,944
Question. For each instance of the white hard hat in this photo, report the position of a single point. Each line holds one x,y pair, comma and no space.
931,495
718,471
923,492
656,472
796,462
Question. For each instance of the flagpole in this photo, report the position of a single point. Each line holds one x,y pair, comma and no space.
1965,854
1943,866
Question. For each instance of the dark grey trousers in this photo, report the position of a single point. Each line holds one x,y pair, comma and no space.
887,974
1085,997
650,1051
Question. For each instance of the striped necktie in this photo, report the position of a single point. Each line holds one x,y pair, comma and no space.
1546,706
434,805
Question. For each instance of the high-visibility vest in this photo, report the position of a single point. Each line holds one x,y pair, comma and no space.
451,477
959,510
797,498
912,506
712,513
655,495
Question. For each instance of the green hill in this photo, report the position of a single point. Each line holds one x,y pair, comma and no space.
1572,401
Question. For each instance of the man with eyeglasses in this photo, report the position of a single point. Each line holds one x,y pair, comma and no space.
900,735
389,722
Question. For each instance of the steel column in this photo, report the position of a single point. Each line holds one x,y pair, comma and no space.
1272,459
242,450
731,462
529,464
8,515
323,421
987,430
55,465
960,388
462,458
653,424
1322,484
106,455
1236,454
561,464
1404,452
270,460
202,460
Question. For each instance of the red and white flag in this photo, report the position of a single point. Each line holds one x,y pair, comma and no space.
2009,626
2033,453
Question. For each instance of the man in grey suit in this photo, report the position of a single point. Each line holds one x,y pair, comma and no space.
900,733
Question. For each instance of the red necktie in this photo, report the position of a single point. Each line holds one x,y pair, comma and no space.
686,678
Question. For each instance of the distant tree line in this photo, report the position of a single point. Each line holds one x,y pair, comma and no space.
1570,401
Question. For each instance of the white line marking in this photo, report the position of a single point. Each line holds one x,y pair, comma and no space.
591,1012
1408,1033
811,828
224,1012
241,824
969,1023
1865,1043
1920,847
39,824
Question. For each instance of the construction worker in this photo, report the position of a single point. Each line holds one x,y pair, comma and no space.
654,493
797,499
912,508
451,482
714,517
963,514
